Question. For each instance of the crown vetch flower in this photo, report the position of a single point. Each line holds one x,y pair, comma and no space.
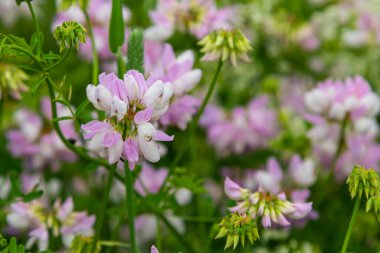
36,142
12,81
197,17
39,219
131,106
273,208
225,44
161,62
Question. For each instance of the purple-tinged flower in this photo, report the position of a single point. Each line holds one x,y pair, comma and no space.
198,17
273,208
302,172
37,143
161,62
150,180
233,190
38,218
131,107
153,249
243,130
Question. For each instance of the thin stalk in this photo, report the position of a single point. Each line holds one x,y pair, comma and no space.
205,101
181,239
341,143
158,234
350,227
51,67
102,211
130,207
34,18
95,57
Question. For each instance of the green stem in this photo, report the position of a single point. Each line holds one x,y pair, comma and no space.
102,211
158,234
205,101
350,227
341,143
130,207
181,239
121,69
59,61
34,17
95,57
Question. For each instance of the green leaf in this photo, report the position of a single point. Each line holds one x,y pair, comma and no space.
2,42
63,118
13,245
37,84
116,33
21,249
62,101
135,53
81,107
18,41
32,195
36,42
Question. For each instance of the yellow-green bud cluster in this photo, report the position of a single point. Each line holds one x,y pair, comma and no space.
70,34
373,203
237,227
12,81
3,242
83,244
363,180
223,44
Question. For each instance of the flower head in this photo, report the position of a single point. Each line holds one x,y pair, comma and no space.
39,219
12,81
273,208
131,106
225,44
70,34
363,180
237,227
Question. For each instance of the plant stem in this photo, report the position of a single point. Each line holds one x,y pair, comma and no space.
180,238
95,57
120,63
59,61
34,18
130,207
102,211
349,230
205,101
341,143
158,234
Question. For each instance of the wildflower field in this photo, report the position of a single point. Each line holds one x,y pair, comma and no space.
194,126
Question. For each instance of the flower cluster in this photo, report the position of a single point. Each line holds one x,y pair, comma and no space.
99,12
225,44
242,130
161,62
36,142
69,34
131,106
198,17
12,81
363,180
353,103
43,222
273,208
237,227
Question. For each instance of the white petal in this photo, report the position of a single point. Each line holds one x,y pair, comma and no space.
152,95
132,87
103,98
118,108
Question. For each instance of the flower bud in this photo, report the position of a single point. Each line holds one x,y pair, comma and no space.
236,227
363,180
3,242
373,203
12,81
223,44
69,34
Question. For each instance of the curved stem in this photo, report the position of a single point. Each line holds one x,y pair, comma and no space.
51,67
102,211
205,101
130,207
33,17
341,143
27,53
95,57
349,230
